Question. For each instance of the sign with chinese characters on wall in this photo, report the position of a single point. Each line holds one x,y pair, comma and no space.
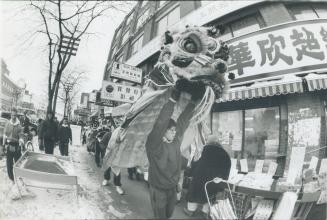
118,92
281,49
127,72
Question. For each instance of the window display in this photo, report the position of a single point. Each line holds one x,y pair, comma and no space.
261,136
228,126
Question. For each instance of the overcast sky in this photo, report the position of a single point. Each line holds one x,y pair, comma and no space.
29,62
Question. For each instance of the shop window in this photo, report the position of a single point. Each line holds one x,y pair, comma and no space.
125,37
141,20
168,20
228,127
245,25
261,136
137,45
302,12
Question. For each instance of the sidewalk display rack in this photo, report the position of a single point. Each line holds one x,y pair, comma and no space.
241,197
46,171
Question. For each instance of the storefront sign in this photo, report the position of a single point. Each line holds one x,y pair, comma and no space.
286,48
118,92
127,72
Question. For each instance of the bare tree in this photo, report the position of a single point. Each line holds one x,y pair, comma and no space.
64,23
69,88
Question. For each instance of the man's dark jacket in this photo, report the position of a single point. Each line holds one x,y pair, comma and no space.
165,158
214,162
49,130
65,134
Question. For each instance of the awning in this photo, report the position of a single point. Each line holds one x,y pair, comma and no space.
317,81
287,85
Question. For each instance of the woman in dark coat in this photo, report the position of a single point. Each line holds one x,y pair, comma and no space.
214,162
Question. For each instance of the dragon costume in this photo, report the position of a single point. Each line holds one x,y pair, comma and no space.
194,54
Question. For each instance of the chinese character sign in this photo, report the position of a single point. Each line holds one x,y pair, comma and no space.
286,48
127,72
118,92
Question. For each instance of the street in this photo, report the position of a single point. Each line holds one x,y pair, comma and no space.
94,200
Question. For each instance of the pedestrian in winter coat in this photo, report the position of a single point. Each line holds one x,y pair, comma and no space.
163,151
13,138
101,146
49,133
214,162
26,123
65,137
40,140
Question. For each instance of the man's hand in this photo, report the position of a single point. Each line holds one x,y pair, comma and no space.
70,142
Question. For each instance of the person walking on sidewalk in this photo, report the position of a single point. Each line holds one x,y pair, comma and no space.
102,146
65,137
40,140
103,138
163,149
49,133
13,138
117,179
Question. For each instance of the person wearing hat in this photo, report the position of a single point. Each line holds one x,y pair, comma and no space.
49,133
13,139
65,137
214,162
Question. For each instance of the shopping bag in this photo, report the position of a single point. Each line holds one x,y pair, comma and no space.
222,209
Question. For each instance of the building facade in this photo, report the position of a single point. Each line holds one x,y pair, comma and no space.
278,99
10,90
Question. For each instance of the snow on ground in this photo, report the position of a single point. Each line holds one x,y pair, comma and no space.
93,201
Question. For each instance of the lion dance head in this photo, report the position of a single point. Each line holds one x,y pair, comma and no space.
194,53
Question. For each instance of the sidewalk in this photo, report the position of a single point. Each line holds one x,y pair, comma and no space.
95,201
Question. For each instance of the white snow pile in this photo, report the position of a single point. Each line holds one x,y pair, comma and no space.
43,203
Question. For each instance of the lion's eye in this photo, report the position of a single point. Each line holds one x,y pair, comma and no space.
190,46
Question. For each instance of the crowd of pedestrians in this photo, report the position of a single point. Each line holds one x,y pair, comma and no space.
169,173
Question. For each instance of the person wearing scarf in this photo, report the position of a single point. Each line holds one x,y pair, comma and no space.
13,137
65,137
